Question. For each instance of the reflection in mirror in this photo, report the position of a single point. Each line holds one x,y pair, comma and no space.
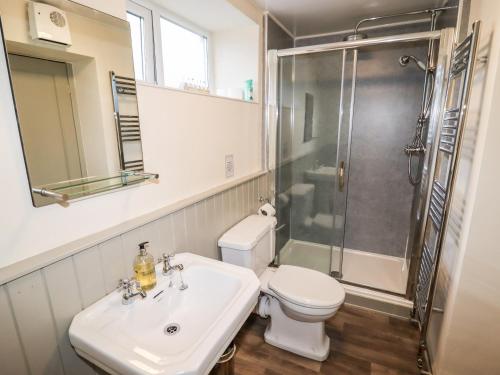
60,56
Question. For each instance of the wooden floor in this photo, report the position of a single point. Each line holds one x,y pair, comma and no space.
363,342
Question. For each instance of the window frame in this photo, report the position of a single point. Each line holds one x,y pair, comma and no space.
158,12
139,10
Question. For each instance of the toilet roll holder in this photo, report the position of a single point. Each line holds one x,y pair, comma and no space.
263,200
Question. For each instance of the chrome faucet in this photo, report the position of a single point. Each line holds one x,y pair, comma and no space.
167,266
132,288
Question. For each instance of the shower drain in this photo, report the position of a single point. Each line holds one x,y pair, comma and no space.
171,329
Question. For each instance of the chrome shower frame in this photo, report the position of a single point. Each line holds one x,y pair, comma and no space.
443,36
431,11
354,44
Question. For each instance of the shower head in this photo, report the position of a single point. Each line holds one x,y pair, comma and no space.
355,36
404,60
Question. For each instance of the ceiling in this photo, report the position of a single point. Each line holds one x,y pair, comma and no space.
309,17
211,15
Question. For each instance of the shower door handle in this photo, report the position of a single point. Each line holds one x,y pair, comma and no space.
341,173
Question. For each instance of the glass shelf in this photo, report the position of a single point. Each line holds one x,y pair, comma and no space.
81,187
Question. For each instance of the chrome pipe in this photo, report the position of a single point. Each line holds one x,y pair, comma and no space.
429,66
405,60
414,13
417,144
50,194
353,44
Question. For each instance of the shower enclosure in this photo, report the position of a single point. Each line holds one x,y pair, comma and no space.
339,116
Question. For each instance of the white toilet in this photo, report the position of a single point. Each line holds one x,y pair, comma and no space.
298,300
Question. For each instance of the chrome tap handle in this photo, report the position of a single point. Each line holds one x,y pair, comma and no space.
165,259
123,284
136,284
168,268
131,288
138,289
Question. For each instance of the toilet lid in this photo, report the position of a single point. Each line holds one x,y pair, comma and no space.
307,287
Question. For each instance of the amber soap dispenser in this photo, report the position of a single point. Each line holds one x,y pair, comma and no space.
144,268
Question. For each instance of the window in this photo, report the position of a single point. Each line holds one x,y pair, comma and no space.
174,47
184,55
181,53
137,34
141,31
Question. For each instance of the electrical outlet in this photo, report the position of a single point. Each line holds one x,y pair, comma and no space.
229,165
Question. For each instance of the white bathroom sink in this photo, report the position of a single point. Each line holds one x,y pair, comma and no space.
132,339
322,173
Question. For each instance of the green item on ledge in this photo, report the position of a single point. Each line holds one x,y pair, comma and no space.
249,89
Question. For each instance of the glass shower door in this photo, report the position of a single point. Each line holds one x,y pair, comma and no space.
311,169
343,155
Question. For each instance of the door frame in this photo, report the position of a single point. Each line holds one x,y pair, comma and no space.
74,107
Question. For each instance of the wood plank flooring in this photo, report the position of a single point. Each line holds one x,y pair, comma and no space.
363,342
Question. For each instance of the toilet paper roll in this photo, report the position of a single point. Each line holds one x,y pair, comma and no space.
267,210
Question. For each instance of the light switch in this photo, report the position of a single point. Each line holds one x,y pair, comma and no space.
229,165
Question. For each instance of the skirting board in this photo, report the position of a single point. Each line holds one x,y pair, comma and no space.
378,301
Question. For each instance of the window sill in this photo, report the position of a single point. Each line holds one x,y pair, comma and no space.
147,84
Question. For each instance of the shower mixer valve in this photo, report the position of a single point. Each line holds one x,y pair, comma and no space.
413,150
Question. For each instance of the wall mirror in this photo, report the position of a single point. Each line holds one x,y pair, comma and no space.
72,76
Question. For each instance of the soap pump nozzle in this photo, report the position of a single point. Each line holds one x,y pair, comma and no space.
142,247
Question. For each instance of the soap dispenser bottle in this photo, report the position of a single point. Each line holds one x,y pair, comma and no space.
144,268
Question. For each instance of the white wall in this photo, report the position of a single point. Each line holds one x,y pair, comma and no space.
470,335
116,8
185,138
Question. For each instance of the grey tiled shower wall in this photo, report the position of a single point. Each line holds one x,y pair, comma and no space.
36,309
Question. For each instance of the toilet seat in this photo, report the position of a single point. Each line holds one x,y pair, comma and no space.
307,291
